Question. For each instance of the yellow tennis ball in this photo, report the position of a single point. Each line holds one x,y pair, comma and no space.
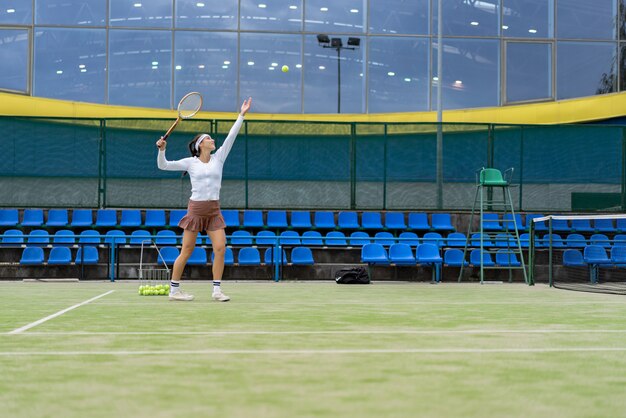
285,68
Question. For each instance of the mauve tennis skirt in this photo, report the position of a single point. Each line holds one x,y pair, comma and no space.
203,215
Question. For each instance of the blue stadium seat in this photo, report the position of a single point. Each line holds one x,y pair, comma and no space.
595,254
619,239
82,217
560,225
491,222
60,256
155,218
266,238
524,240
419,221
401,254
8,217
582,225
201,239
231,218
442,222
475,259
106,218
115,237
336,238
32,217
90,255
505,258
253,219
374,254
312,238
38,237
249,256
130,218
395,220
454,258
573,258
621,225
475,240
384,238
138,236
229,258
371,220
241,238
13,236
166,237
604,225
289,238
508,224
32,256
557,241
277,219
539,226
359,238
167,255
63,237
175,216
57,217
600,239
89,237
575,241
301,220
618,255
324,220
433,238
269,257
302,256
428,254
505,241
348,220
409,238
456,239
198,257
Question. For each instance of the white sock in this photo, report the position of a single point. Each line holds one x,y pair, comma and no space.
216,287
174,287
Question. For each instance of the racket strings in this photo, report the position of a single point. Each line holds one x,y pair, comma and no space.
189,105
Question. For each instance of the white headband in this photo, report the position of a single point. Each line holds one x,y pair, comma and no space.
202,137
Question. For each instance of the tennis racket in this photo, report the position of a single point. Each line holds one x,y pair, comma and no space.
187,108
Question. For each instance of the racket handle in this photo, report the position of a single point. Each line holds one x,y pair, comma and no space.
169,131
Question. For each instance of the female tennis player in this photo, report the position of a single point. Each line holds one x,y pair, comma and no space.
203,210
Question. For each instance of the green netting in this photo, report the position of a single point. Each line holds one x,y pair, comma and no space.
274,164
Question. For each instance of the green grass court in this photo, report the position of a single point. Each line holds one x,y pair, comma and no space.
312,350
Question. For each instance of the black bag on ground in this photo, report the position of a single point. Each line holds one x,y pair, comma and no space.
353,275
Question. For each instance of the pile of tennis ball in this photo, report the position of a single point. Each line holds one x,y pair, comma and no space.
158,290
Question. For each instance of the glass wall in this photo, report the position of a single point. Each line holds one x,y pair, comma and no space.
374,56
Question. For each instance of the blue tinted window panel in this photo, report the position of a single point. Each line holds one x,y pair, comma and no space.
622,63
260,75
468,18
206,14
206,62
583,19
275,15
16,12
398,74
141,13
528,71
14,47
585,68
471,73
346,16
140,68
70,12
321,77
528,18
70,64
399,17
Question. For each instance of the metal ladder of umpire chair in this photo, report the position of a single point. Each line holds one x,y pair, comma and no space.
488,179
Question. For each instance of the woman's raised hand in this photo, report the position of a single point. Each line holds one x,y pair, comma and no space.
246,106
161,143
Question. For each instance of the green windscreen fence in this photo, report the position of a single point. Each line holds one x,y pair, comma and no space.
332,165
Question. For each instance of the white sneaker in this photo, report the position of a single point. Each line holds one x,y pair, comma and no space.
181,296
220,297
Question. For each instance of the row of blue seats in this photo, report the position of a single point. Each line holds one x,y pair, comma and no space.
576,225
167,255
595,255
251,219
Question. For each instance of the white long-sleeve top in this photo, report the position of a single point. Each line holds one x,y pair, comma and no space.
206,178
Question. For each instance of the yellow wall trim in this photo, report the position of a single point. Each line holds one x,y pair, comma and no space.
585,109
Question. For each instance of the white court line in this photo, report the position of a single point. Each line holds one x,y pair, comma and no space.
321,351
336,332
47,318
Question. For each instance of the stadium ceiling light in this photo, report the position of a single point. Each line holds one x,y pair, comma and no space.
354,10
227,62
155,62
201,66
298,65
59,71
137,5
292,7
262,5
323,39
474,23
323,9
250,62
199,4
337,44
407,80
391,73
354,41
532,30
179,67
321,67
458,82
10,10
505,27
